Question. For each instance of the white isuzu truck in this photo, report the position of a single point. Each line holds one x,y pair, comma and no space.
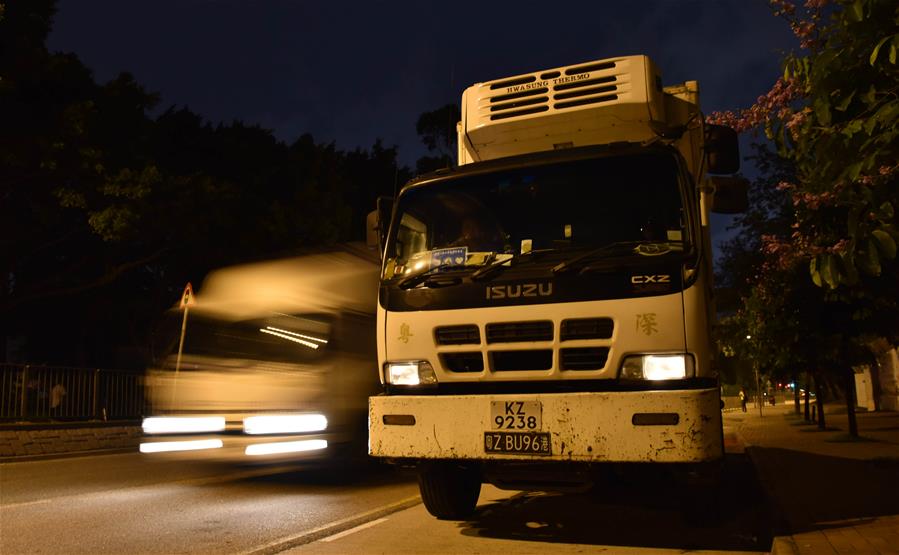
545,307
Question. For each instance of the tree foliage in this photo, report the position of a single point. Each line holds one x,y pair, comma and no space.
835,116
437,130
823,286
109,206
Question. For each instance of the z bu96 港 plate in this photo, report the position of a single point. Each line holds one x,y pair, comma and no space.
518,443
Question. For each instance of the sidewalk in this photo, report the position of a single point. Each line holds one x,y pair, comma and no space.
834,494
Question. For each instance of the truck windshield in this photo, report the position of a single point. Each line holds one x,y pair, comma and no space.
278,338
569,207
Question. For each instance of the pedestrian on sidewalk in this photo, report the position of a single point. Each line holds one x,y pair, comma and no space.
743,399
56,398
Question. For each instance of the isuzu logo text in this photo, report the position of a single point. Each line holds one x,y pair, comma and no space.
522,290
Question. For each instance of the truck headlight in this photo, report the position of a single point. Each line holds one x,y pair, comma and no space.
657,367
416,372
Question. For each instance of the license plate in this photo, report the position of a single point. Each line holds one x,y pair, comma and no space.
521,416
519,443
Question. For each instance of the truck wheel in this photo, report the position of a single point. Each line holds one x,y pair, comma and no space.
703,503
449,491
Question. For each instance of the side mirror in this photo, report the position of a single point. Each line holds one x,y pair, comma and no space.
730,195
377,223
722,149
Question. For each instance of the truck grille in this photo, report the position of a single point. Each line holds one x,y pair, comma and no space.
462,362
505,347
514,332
588,358
467,334
587,328
521,360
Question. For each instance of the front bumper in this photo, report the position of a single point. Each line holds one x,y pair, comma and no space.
630,426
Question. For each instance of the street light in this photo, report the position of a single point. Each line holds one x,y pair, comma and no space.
758,382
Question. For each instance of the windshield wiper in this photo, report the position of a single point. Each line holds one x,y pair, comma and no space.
486,272
409,282
651,248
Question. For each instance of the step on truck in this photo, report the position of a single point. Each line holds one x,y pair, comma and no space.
544,307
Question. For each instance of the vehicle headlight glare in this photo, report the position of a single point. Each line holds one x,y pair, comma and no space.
183,424
657,367
418,372
284,423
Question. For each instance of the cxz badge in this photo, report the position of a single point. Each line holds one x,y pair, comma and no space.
658,278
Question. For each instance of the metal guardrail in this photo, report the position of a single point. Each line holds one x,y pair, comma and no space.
32,392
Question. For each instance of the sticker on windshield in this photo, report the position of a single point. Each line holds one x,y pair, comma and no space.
652,249
455,256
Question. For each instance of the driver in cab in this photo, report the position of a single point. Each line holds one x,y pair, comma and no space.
478,237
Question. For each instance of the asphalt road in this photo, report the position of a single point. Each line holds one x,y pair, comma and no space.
128,504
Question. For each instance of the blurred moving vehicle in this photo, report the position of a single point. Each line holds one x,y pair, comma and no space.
278,362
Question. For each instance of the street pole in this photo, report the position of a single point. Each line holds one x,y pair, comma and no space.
758,388
181,341
186,301
758,381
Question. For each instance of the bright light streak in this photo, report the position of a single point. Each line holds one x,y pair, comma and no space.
194,445
288,332
286,447
183,424
284,423
303,342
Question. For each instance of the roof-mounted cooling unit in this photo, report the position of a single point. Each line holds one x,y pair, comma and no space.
592,103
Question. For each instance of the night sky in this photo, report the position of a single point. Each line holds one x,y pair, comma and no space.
352,72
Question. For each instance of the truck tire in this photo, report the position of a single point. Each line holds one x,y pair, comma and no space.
703,503
450,491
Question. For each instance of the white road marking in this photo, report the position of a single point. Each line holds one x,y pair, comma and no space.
353,530
334,528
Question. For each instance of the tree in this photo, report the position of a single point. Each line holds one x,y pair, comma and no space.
437,130
835,117
106,211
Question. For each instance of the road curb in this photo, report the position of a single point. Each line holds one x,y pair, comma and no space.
67,455
34,441
784,545
783,542
69,425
